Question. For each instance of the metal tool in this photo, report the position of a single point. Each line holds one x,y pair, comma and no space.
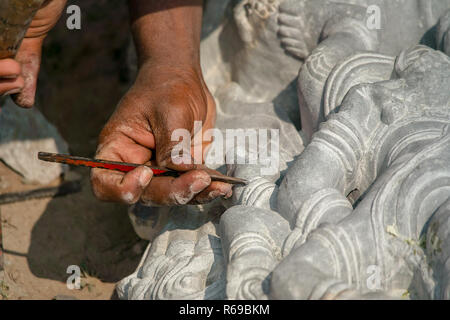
125,167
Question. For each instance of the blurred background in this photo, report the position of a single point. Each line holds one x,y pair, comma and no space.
84,72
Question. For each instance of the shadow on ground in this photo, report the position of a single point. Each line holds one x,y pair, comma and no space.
79,230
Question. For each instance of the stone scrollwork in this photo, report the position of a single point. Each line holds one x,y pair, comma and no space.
184,261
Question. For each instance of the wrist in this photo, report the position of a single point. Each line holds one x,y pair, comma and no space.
155,72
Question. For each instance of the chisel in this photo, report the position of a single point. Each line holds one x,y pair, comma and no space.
126,167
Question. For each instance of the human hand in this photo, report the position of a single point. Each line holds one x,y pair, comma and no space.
18,76
163,99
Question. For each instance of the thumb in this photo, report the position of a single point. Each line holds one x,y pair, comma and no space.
173,138
175,155
181,151
29,56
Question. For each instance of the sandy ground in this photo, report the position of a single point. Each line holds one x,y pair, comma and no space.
43,237
83,75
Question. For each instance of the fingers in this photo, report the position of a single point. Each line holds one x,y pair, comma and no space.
118,187
193,187
215,190
11,86
171,191
10,80
9,69
114,186
29,57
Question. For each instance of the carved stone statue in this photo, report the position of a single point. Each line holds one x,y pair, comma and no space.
360,204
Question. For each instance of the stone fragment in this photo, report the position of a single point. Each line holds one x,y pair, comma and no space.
23,133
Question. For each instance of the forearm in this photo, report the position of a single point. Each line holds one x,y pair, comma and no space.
167,32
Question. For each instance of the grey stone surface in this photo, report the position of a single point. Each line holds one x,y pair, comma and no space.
359,207
184,261
390,140
23,133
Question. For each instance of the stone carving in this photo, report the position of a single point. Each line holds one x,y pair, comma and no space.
184,262
360,206
389,140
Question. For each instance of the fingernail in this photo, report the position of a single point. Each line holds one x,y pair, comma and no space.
198,185
13,91
145,177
